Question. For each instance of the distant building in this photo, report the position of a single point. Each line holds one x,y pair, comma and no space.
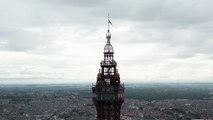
108,91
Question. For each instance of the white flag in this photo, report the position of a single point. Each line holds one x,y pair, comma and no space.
109,22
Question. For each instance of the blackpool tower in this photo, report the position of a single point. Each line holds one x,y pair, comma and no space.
108,90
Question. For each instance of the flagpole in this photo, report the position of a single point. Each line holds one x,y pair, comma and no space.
108,21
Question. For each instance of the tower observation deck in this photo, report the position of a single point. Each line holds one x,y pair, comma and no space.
108,91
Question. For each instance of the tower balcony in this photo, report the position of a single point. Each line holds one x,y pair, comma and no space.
109,75
108,63
100,89
106,97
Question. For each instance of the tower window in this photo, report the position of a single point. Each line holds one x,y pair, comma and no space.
107,81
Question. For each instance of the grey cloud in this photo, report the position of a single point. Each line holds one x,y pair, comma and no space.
83,3
175,13
150,21
182,12
163,16
27,78
18,40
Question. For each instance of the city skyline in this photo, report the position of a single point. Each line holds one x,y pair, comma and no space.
62,41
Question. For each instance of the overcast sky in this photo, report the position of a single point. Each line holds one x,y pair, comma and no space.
62,41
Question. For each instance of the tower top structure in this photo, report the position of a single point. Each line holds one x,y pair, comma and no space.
108,91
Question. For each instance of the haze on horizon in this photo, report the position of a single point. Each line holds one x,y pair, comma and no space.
62,41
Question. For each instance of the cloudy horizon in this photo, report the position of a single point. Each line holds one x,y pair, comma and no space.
62,41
